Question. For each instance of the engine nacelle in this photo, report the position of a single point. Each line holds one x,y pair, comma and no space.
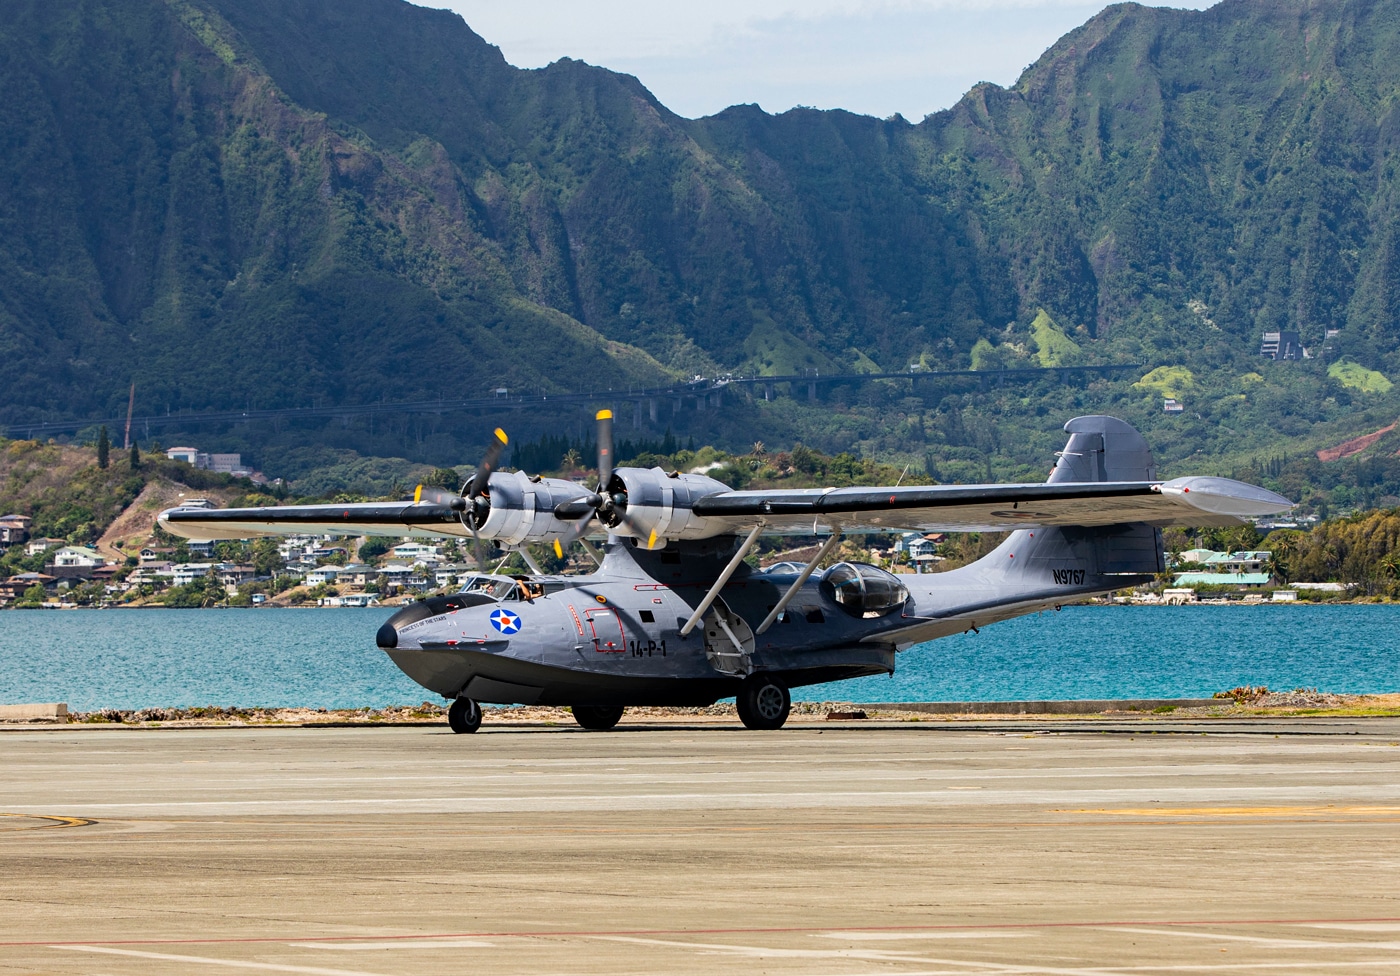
522,508
661,503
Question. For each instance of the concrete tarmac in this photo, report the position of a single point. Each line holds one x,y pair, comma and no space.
1271,846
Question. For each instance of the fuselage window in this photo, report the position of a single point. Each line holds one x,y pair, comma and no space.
648,617
815,617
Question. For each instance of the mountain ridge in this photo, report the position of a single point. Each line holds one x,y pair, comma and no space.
276,203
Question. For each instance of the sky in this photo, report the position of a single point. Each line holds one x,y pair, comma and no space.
876,57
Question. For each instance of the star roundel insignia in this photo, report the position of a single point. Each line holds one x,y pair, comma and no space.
505,621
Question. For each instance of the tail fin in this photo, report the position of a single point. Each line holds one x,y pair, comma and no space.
1103,449
1074,560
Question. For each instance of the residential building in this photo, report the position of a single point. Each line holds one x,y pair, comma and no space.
323,575
199,547
14,529
70,556
357,574
190,455
233,576
1222,579
1249,561
1172,405
417,552
1281,346
37,546
182,574
156,554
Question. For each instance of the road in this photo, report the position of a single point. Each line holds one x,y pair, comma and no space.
821,850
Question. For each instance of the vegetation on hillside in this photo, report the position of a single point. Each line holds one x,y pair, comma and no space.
231,207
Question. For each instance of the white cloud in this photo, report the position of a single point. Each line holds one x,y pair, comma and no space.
872,56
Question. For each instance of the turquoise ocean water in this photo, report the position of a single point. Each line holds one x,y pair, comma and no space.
327,658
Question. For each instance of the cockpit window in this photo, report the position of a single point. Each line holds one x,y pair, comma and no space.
863,590
496,587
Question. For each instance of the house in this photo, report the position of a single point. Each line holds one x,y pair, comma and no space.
190,455
349,600
182,574
358,574
196,503
1249,561
233,576
69,557
450,574
326,575
1222,579
14,529
1195,555
156,554
417,552
198,547
1281,346
1171,405
37,546
25,580
396,576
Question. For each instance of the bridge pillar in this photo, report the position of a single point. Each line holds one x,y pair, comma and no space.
769,391
811,392
637,415
651,405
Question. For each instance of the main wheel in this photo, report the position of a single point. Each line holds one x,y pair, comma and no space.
464,715
763,702
597,718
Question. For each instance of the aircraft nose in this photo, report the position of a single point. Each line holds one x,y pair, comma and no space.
388,637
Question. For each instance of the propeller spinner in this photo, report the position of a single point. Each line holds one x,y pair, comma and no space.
607,503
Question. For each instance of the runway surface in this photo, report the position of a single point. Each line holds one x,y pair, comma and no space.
821,850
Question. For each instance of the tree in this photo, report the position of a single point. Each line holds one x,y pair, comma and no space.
135,459
104,448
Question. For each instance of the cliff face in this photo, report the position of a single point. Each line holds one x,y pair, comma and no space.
278,201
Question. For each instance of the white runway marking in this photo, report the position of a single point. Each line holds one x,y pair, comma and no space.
1354,926
903,936
208,961
720,800
391,944
1259,940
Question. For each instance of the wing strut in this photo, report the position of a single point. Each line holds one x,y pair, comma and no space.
723,578
807,570
589,548
530,561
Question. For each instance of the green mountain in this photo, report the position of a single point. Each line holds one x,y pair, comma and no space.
281,202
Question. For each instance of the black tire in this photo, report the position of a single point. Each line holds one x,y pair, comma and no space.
597,718
464,715
764,702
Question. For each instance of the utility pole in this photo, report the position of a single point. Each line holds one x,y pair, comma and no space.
130,405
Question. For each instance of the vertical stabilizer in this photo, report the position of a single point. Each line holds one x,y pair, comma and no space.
1103,449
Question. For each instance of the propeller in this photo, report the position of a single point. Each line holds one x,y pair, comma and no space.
602,504
475,505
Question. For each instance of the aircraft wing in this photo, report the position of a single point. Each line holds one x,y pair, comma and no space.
1193,501
397,519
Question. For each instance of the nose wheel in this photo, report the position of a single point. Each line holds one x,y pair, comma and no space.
464,715
597,718
763,702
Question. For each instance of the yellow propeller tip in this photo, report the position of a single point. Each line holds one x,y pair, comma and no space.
501,436
418,494
558,549
651,540
604,415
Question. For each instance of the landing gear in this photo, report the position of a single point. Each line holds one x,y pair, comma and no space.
597,718
464,715
763,702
